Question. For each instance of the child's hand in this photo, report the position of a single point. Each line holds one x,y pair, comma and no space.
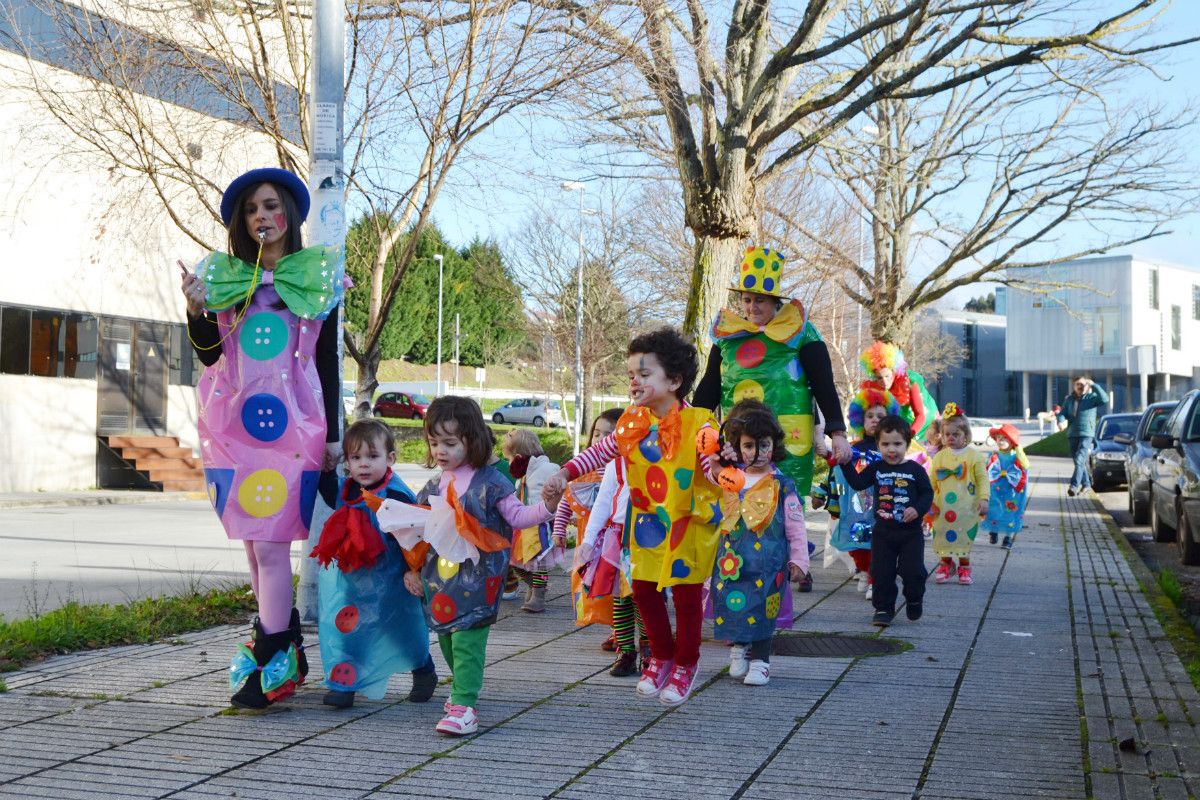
560,541
983,508
553,488
728,453
909,514
412,582
822,448
794,572
333,455
583,553
842,451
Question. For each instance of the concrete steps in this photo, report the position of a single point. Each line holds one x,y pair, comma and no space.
162,461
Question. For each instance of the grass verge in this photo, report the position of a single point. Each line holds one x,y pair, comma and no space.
87,627
1054,445
1162,591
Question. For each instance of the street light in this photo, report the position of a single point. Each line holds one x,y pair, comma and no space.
576,186
438,258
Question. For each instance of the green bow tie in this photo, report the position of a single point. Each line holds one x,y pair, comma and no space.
308,281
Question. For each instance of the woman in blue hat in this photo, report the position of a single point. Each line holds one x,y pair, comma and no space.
263,320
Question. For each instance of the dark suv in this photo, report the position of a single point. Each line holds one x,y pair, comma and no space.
1175,479
1141,456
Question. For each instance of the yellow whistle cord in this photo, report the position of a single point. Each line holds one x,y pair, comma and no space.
241,314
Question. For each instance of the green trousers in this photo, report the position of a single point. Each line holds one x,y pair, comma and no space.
464,652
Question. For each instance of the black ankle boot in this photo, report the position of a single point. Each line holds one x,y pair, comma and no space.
423,686
298,640
281,673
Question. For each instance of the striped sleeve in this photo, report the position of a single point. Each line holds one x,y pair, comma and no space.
594,458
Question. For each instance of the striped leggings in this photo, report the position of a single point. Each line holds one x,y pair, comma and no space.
626,620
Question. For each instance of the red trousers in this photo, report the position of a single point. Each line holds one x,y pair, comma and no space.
862,560
684,646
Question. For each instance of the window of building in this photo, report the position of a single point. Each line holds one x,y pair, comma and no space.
14,340
183,367
1196,302
970,346
1107,324
1154,289
1176,328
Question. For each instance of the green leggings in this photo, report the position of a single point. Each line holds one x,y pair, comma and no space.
464,652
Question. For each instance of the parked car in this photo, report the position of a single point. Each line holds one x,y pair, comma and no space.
1175,479
1141,455
530,411
348,401
402,405
1108,458
981,431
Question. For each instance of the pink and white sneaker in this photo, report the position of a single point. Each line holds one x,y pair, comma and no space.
654,677
679,686
943,572
964,575
459,721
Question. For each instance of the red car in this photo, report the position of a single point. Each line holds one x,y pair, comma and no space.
402,405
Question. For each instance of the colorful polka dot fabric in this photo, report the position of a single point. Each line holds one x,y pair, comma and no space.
959,483
262,421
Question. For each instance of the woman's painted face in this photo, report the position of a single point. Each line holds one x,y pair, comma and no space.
648,381
601,429
264,215
871,419
758,308
886,376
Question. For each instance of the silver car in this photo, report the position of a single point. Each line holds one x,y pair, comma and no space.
530,411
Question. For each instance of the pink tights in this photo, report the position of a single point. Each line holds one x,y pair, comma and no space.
271,579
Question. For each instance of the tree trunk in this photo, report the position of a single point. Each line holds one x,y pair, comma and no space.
715,261
589,386
892,325
368,382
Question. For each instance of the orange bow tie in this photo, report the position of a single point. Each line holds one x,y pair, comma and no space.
756,506
638,422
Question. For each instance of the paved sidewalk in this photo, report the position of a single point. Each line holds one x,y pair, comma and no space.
1019,686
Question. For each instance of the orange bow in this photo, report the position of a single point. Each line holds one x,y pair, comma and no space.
638,422
756,506
472,529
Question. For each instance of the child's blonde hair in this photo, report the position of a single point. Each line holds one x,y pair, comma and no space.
522,442
934,429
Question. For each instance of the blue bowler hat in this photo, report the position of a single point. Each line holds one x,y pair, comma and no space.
279,177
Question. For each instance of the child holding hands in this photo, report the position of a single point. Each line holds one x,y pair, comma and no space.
902,496
960,487
470,530
533,550
371,621
763,544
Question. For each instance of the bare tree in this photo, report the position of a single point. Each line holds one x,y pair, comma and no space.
985,181
724,107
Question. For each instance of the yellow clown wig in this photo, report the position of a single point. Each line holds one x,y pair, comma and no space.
866,399
880,355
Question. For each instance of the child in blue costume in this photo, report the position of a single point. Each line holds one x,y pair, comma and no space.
371,624
469,533
1008,472
763,544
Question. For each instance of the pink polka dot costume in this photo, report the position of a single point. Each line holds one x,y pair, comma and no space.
261,414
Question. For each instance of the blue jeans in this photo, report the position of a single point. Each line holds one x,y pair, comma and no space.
1081,448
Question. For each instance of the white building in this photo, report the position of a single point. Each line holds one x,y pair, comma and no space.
1130,323
92,340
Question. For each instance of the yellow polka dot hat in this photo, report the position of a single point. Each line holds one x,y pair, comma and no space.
761,272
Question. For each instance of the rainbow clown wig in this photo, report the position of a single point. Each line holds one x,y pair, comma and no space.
880,355
865,399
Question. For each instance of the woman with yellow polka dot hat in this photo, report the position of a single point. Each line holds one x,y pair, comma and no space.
262,318
772,353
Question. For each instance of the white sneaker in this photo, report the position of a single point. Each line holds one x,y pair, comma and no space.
737,661
862,581
459,721
758,674
870,593
511,595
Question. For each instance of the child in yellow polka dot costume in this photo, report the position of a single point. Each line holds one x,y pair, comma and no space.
960,497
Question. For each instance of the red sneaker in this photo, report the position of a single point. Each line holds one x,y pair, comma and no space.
679,686
654,677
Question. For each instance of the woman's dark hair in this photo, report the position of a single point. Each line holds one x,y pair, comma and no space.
895,424
676,355
243,244
368,432
752,418
612,415
469,426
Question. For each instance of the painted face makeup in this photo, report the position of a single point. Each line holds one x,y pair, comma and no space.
1003,443
886,377
649,384
448,449
954,436
756,454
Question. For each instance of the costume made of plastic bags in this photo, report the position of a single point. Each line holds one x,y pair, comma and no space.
764,364
1009,491
465,594
908,386
959,481
533,548
371,626
580,496
854,511
750,593
261,413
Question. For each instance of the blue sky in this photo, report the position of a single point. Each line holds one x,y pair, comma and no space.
494,199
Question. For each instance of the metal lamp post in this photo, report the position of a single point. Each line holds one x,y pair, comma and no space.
576,186
872,131
438,257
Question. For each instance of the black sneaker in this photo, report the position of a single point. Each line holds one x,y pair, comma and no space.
805,583
1007,544
339,699
422,686
883,618
992,537
913,610
1072,491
